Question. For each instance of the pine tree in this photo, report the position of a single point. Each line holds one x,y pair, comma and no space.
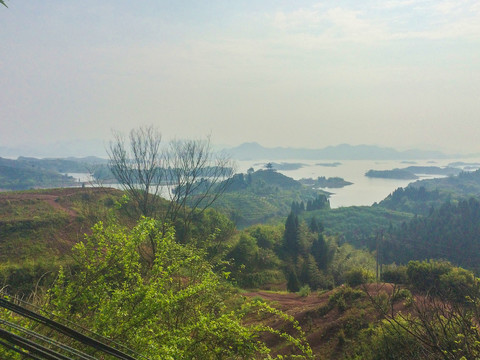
320,252
293,285
314,225
291,235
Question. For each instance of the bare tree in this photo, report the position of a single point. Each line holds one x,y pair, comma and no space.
198,176
139,167
193,173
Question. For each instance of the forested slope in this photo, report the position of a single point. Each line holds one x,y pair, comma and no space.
450,232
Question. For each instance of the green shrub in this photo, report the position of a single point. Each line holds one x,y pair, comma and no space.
394,274
390,341
425,275
458,284
357,277
402,294
304,291
353,321
441,278
343,297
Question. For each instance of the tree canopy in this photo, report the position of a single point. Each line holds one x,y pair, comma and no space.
175,308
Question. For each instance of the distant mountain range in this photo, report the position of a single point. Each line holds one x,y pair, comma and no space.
245,151
255,151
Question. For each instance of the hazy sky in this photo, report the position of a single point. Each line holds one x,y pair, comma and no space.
283,73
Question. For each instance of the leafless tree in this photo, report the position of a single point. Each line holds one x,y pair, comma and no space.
198,176
194,174
139,167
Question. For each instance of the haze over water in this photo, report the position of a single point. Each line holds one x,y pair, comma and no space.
364,190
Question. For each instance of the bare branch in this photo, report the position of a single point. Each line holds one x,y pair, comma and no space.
191,172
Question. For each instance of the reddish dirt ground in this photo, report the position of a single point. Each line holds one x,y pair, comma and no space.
291,302
50,199
59,238
321,328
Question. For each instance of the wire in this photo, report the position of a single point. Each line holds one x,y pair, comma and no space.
48,340
64,330
20,351
77,326
32,347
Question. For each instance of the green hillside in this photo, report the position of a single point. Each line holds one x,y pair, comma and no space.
263,196
23,175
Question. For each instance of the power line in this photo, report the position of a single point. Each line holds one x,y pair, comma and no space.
46,339
72,324
19,351
31,346
86,340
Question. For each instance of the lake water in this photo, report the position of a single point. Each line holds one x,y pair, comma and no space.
364,190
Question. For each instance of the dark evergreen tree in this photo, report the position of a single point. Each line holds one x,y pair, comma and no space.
297,207
309,273
315,225
293,285
309,205
320,252
291,236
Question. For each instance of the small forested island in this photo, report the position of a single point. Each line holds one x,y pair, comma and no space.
400,174
284,166
323,182
412,172
333,164
434,170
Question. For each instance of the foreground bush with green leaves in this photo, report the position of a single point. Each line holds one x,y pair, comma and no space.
434,314
167,306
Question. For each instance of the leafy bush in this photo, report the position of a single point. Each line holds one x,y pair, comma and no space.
443,279
304,291
394,274
343,297
425,275
357,277
390,341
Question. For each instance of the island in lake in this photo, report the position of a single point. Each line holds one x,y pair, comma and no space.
412,172
284,166
323,182
333,164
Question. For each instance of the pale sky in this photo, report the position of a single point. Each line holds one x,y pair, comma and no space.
308,74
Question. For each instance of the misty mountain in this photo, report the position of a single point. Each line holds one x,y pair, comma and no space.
255,151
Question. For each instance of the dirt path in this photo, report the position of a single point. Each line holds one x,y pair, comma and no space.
289,301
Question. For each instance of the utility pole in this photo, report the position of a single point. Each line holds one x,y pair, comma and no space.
378,265
376,257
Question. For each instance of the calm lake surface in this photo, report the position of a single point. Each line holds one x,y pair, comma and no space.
364,190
